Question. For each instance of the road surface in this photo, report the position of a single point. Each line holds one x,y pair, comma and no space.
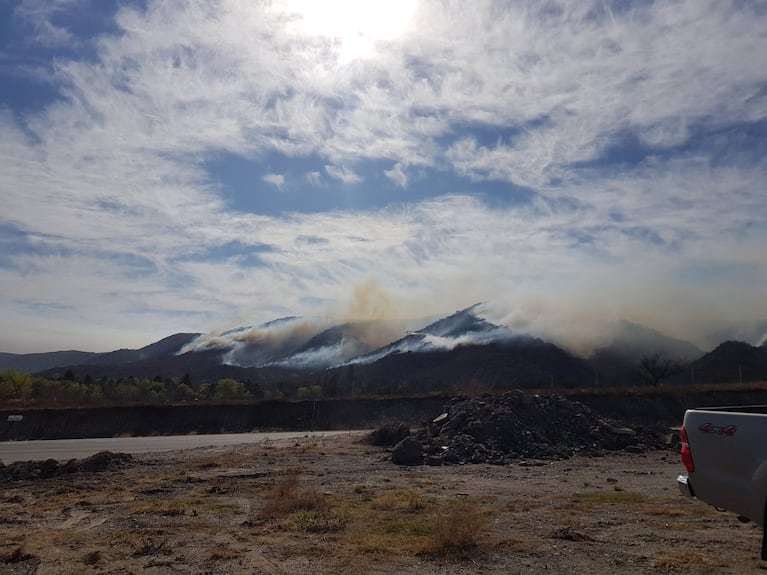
66,449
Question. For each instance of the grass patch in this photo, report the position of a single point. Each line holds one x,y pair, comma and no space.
460,528
667,511
610,498
181,506
314,521
286,496
399,499
407,525
223,554
684,560
292,508
516,545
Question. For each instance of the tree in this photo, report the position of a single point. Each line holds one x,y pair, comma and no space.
655,368
310,392
17,384
229,389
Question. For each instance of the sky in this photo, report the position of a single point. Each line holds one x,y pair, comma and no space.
184,165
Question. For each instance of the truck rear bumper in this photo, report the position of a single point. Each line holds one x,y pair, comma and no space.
685,487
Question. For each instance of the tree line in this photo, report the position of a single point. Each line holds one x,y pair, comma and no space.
18,387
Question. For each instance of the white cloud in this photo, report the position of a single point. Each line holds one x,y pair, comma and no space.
277,180
342,174
397,175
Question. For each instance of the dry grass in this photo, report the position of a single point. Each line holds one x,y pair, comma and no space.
286,496
222,554
399,499
460,527
686,560
609,498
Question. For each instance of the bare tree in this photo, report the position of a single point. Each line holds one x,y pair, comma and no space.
655,368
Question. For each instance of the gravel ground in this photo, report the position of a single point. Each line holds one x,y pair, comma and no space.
231,510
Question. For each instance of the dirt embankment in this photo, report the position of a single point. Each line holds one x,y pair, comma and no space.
646,409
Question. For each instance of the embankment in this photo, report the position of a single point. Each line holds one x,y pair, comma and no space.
19,424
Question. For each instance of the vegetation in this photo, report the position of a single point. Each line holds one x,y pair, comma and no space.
22,389
399,520
654,368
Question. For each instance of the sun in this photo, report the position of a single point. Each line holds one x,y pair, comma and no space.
356,26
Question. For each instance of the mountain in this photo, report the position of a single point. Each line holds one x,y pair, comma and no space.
458,351
463,328
39,362
291,343
731,361
34,362
462,351
754,332
524,363
617,362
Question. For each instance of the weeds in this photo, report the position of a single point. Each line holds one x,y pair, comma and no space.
401,499
459,529
609,497
286,497
292,508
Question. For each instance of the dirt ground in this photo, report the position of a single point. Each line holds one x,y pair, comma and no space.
339,506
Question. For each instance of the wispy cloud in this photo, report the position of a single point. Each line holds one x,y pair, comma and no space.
397,175
342,174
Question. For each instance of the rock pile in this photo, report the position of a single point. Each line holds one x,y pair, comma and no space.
27,470
518,426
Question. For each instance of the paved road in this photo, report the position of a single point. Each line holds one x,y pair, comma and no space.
65,449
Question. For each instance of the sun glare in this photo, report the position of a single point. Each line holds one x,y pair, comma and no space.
356,26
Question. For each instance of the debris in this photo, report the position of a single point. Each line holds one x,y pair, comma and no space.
520,426
30,470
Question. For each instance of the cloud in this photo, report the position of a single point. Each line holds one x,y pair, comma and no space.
314,178
277,180
397,175
642,163
41,14
342,174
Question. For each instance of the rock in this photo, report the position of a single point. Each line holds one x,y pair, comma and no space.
390,433
27,470
409,451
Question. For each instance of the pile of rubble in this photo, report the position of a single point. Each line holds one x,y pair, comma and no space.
518,426
26,470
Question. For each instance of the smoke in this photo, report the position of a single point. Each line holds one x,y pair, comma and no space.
370,321
586,316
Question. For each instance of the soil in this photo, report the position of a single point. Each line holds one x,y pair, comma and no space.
340,506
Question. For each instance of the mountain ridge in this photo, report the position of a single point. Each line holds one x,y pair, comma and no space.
457,349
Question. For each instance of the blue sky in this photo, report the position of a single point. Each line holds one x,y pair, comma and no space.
194,165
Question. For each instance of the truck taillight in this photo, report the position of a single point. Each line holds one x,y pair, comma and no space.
686,452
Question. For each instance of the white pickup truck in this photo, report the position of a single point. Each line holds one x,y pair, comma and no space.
724,450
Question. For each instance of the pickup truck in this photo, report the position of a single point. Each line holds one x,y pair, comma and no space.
724,450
